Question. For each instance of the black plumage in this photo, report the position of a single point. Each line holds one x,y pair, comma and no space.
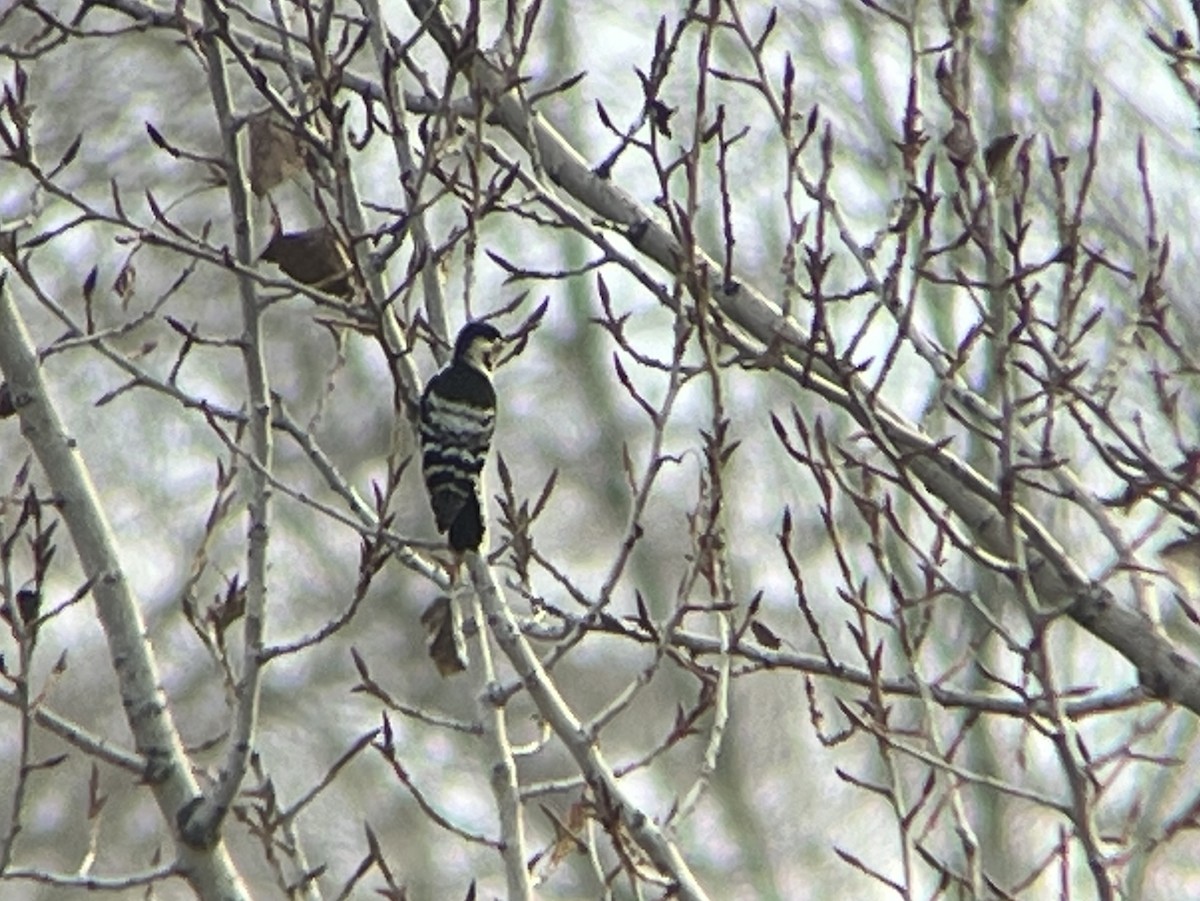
458,417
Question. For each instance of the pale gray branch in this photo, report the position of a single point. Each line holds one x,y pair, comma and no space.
168,771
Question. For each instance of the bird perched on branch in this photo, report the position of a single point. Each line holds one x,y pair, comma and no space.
458,416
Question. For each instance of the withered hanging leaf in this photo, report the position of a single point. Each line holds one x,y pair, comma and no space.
765,636
276,154
960,142
565,840
996,154
313,257
443,627
229,609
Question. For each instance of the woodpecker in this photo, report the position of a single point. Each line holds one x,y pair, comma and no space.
458,416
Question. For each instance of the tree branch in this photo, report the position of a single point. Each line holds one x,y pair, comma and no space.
168,772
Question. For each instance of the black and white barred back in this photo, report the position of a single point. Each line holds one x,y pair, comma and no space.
458,417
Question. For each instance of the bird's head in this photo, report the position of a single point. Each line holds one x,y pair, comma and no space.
478,345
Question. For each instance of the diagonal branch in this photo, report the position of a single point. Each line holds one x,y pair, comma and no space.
611,799
1059,581
202,822
168,772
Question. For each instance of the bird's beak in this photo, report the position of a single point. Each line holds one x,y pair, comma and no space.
492,354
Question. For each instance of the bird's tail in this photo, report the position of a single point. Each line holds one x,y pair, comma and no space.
466,532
